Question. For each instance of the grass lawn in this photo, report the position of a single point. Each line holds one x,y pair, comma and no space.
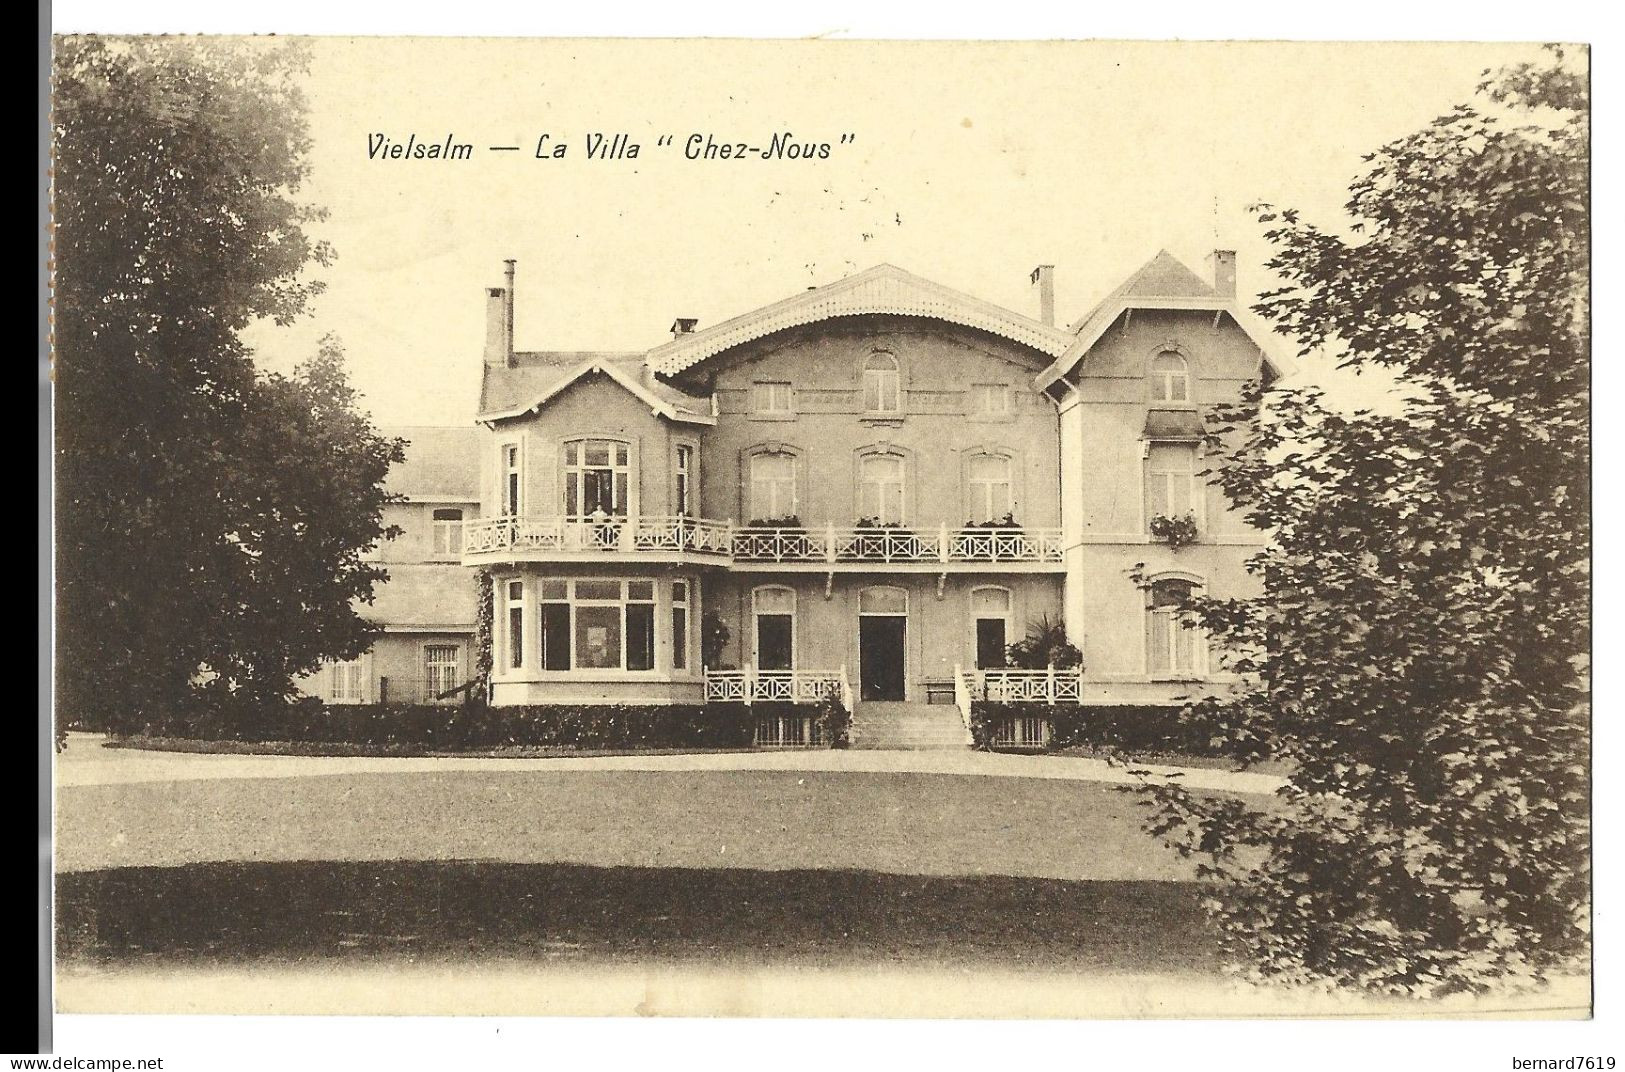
815,868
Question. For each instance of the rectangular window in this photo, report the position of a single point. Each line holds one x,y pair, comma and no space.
347,681
598,637
441,665
989,492
555,625
880,489
679,625
597,475
448,533
1174,645
511,483
990,399
685,481
772,398
1170,480
516,624
772,486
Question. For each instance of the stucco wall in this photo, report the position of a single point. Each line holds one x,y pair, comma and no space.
935,431
399,657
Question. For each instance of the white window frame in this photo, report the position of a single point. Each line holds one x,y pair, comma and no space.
359,669
513,649
757,612
877,379
684,456
455,666
1198,487
880,512
1170,621
770,508
773,398
681,639
447,534
573,475
979,490
1163,381
575,602
982,394
511,478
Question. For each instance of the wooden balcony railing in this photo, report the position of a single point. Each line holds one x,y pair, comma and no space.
1050,686
751,685
600,535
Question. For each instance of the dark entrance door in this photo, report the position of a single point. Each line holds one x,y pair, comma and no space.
989,643
880,656
774,634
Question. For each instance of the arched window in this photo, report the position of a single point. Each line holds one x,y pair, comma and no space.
1174,645
880,488
596,478
990,618
1170,377
882,390
772,486
774,611
988,491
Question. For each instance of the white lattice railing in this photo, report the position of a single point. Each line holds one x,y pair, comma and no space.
782,686
831,544
1050,686
702,536
575,535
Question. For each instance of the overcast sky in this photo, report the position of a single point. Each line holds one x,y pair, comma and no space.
969,164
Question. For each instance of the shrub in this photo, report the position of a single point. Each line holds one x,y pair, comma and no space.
1045,645
1130,727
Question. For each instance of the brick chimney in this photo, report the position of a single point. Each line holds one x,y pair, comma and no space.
1224,273
1043,278
683,325
499,323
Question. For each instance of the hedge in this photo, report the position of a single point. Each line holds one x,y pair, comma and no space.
478,726
1133,727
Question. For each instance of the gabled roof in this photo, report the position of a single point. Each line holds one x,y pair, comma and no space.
884,288
1163,282
536,377
442,464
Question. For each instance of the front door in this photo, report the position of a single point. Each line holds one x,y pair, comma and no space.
989,643
880,656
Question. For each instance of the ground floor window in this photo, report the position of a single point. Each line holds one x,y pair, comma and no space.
608,624
441,666
990,611
1173,646
347,681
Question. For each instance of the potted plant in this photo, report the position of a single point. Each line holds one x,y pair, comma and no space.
1176,532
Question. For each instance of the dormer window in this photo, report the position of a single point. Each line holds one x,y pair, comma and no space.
882,389
1170,377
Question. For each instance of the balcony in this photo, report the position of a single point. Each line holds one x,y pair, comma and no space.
689,539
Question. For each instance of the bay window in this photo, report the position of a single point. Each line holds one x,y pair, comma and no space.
608,624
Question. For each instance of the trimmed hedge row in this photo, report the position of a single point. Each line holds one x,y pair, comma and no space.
477,726
1131,727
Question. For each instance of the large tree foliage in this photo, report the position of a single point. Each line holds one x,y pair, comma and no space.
1419,652
185,536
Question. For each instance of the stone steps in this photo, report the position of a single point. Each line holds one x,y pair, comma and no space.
907,726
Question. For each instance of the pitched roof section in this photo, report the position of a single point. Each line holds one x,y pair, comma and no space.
884,288
421,597
539,376
442,464
1163,282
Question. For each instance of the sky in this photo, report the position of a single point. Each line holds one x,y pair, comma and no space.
967,163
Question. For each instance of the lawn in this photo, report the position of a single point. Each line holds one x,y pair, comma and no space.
794,868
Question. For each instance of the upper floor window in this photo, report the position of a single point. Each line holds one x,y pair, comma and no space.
1170,480
880,488
990,400
988,476
1170,377
511,482
772,398
448,533
882,389
596,477
1173,645
772,486
684,492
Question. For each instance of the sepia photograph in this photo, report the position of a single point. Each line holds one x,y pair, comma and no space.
821,529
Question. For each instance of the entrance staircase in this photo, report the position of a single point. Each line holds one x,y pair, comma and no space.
908,726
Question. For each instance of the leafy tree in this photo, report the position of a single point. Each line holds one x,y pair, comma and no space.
1419,652
187,532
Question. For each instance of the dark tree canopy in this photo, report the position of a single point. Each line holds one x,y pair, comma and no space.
186,537
1420,651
